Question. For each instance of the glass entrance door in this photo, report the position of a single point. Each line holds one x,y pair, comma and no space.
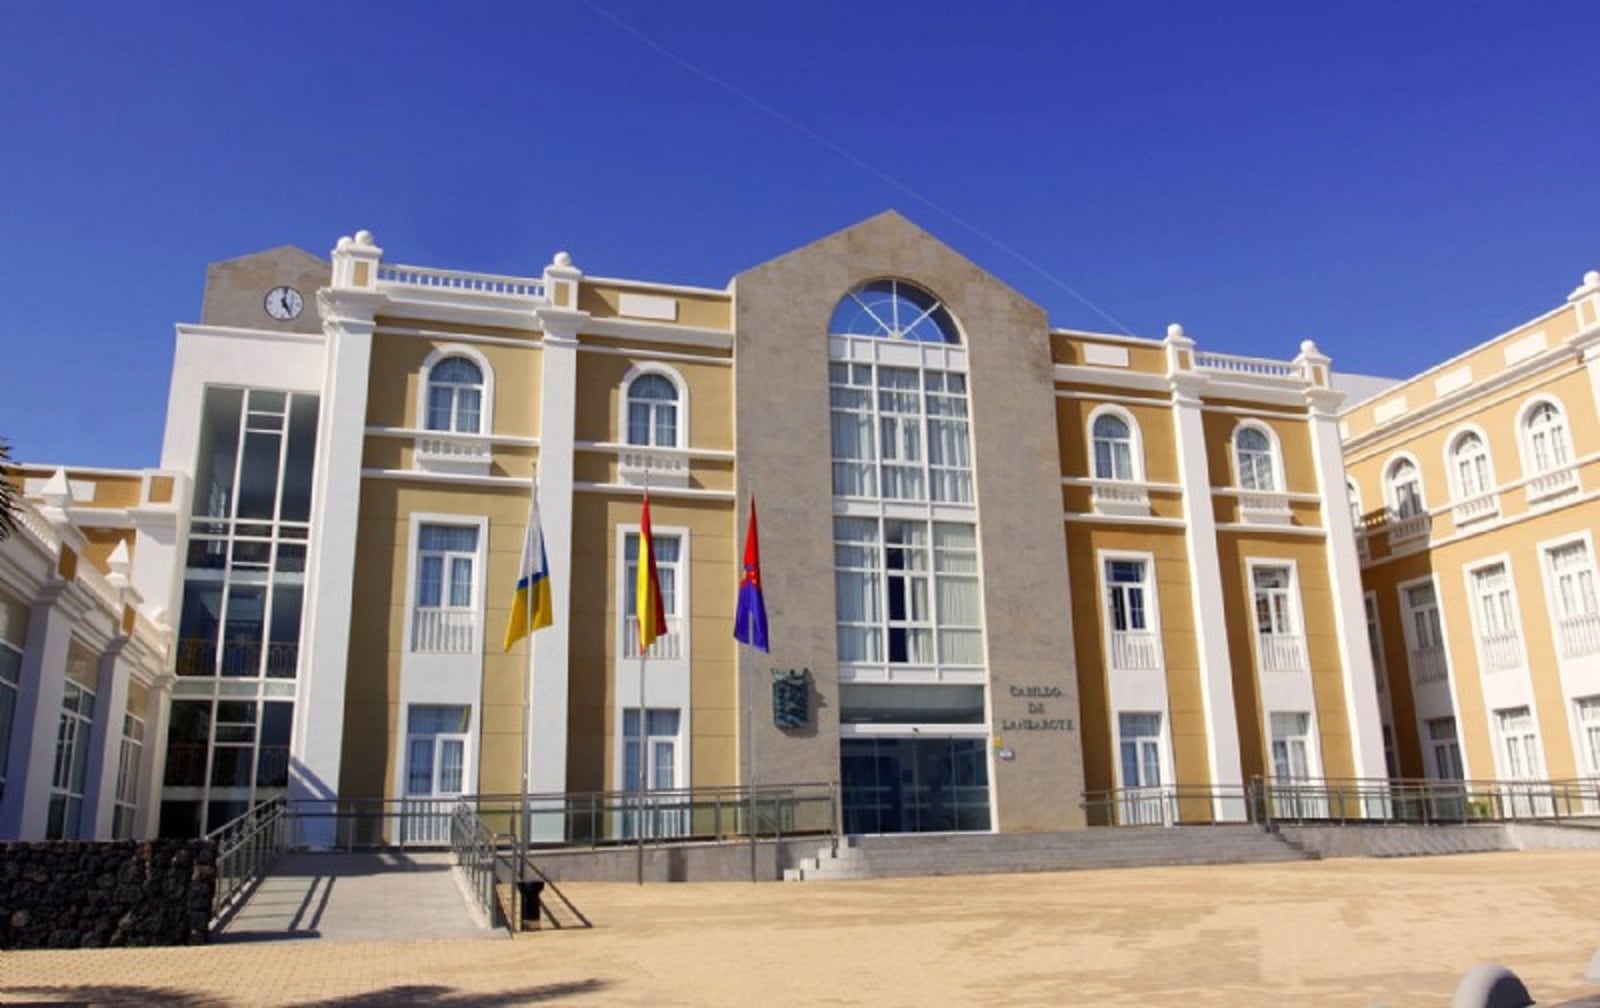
914,785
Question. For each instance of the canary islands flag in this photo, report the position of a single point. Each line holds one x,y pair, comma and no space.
648,604
530,607
750,619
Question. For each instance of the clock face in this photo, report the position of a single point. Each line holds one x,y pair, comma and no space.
284,303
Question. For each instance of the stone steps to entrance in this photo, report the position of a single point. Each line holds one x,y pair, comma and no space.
894,856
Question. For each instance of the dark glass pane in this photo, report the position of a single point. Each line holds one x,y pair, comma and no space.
276,720
180,819
236,712
302,452
219,445
230,766
241,649
220,813
258,475
197,630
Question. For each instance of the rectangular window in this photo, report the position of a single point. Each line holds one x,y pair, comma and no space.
1128,595
1292,752
1572,585
1280,645
69,776
1140,743
1519,743
900,431
670,572
10,685
130,759
1446,749
907,592
1499,644
445,618
1390,763
1375,641
436,750
1426,634
1589,729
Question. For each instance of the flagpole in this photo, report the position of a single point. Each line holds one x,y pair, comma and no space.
644,711
524,827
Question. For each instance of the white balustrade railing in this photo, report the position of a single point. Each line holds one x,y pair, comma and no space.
1261,367
456,280
1500,651
451,631
1428,664
1410,527
1119,497
28,517
1135,649
1264,506
1282,652
1477,508
1580,635
466,449
1553,483
661,467
667,646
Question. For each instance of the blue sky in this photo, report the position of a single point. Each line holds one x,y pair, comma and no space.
1395,181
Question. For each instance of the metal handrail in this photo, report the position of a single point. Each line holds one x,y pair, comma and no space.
1187,805
245,848
474,847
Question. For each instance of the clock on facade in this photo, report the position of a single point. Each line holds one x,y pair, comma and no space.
284,303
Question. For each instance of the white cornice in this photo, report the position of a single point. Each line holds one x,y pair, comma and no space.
612,447
654,332
439,477
1098,519
1259,528
651,285
535,338
654,354
378,430
655,491
232,332
1080,374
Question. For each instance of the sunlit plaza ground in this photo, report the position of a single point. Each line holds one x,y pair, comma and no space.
1337,932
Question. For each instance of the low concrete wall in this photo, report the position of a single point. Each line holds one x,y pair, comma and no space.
90,895
1397,840
728,862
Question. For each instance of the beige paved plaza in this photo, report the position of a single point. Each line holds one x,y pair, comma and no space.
1344,932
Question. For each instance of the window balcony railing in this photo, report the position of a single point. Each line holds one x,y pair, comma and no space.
1477,508
1119,497
442,452
1428,664
1135,649
1408,528
668,646
447,631
1264,507
1500,651
1580,635
1282,652
198,657
1552,484
663,467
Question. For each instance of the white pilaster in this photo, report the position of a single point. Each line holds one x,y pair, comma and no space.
1205,584
348,312
157,714
1344,569
105,742
26,804
558,394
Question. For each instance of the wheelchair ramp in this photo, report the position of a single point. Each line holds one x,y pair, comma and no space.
377,896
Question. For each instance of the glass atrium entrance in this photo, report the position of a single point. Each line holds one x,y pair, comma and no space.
914,785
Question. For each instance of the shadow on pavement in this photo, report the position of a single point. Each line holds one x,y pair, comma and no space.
425,995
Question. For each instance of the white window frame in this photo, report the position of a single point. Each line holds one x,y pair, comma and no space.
473,642
1275,649
1588,631
1526,745
1135,655
1399,507
1472,502
673,645
680,405
1452,746
1135,444
425,385
1274,460
463,738
1409,629
130,763
13,687
1483,638
70,756
1374,625
1586,719
1525,437
1352,492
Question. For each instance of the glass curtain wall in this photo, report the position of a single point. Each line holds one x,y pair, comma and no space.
243,596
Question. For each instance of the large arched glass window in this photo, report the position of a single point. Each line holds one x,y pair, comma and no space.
1253,454
1469,460
893,309
1114,452
1544,430
1405,489
455,396
653,411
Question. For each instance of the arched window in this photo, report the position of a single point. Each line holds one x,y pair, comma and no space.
455,396
1115,453
1255,459
1354,493
653,411
1544,431
893,309
1469,462
1405,489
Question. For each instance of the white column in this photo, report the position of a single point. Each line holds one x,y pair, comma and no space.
157,713
1205,583
348,319
547,770
26,803
105,742
1344,570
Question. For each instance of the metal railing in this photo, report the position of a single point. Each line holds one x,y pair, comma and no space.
246,847
1268,800
607,818
475,848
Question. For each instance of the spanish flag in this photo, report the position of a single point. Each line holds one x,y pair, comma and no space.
530,607
647,602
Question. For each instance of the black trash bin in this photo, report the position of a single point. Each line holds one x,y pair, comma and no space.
530,891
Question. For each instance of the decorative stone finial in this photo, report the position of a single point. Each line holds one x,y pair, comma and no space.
119,562
343,245
562,259
363,237
57,492
1308,346
1592,278
1174,331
